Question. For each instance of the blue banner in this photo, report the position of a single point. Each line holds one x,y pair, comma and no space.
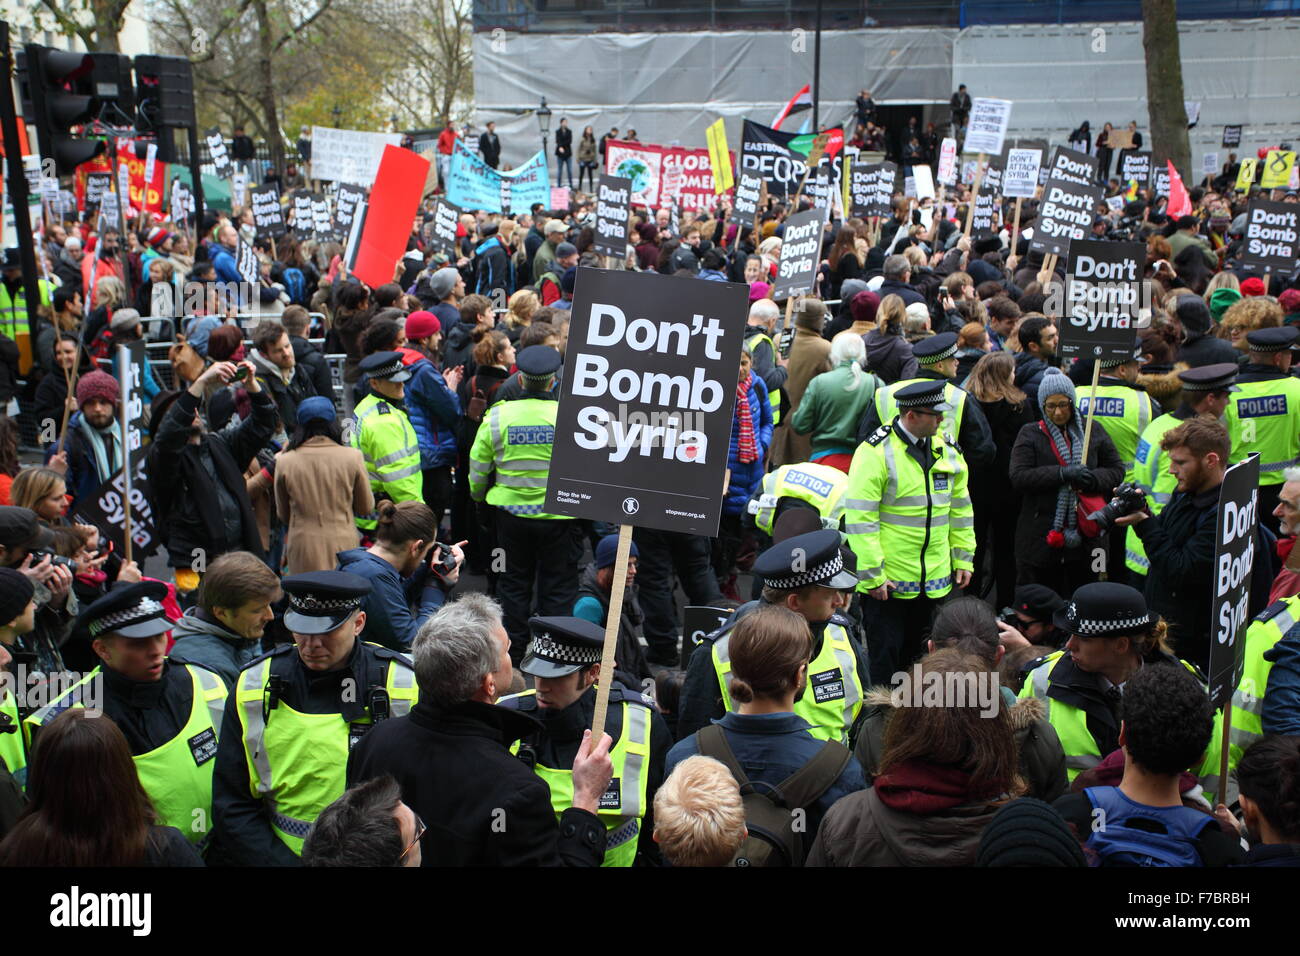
473,184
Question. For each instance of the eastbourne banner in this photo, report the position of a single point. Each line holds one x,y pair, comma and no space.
781,158
642,432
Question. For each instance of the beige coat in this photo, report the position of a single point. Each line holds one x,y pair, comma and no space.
319,487
810,355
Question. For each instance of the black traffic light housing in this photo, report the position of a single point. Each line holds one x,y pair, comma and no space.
165,99
61,89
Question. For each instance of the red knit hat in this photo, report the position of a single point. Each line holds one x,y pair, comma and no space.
97,384
1290,301
1252,286
863,306
422,324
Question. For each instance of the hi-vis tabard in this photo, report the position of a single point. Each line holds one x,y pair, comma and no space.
1264,416
511,456
623,805
12,749
906,524
391,450
177,775
833,697
1125,412
887,406
297,762
1151,472
820,485
773,394
1265,631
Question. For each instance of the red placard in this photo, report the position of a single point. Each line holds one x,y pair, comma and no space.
394,201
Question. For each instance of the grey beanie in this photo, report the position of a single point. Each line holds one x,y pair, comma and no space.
848,289
1056,382
124,319
443,281
565,249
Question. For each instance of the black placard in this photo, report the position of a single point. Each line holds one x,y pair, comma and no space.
346,201
1136,166
986,201
801,246
1231,136
246,262
698,622
443,227
220,155
302,218
1234,557
96,185
1103,298
1069,202
613,208
1272,238
268,217
642,431
322,223
749,188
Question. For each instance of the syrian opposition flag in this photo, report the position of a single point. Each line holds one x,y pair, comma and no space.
798,103
1180,204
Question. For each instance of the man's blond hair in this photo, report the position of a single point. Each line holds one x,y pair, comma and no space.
699,816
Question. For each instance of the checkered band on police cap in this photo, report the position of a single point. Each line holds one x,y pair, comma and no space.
549,649
1086,627
820,572
146,610
313,606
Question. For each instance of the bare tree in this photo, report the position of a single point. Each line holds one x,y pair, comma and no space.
436,74
98,31
1165,85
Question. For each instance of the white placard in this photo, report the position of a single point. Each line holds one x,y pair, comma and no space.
923,182
1210,163
150,158
348,155
987,129
948,161
1021,176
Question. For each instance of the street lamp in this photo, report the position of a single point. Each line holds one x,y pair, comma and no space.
395,121
336,113
544,123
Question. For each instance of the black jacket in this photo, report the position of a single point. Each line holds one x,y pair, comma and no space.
974,437
628,653
1029,375
313,360
1207,350
901,289
1179,543
482,805
563,142
1035,473
187,510
489,144
288,397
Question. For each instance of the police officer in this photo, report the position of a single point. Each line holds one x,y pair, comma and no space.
807,574
908,517
1206,391
14,320
17,617
1264,414
819,487
1112,635
293,716
1269,627
768,363
385,435
564,661
936,358
509,462
170,710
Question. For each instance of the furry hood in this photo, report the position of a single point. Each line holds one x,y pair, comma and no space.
1164,387
1023,713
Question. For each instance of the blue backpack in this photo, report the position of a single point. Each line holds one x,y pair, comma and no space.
1130,834
296,285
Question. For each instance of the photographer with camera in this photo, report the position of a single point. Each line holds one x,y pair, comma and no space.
406,567
1056,544
1180,541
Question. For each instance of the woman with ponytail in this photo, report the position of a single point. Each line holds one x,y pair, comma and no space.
769,649
835,402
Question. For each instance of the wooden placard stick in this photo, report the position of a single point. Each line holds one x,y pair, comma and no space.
1092,405
71,378
612,621
974,193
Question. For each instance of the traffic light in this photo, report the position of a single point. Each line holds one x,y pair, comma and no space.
165,97
113,88
60,87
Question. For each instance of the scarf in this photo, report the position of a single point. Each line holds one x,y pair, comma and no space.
923,788
746,447
108,462
1067,499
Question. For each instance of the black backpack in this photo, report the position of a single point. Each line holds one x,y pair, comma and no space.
773,839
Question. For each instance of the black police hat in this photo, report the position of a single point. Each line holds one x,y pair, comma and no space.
812,558
926,394
1037,601
562,646
128,610
1273,340
1133,355
1104,609
386,366
1218,377
320,601
936,348
538,361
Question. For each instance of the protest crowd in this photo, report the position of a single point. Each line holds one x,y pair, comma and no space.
338,626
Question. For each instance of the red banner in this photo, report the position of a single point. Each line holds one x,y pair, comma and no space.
143,198
652,167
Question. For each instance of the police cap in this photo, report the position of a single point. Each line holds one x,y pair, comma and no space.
1218,377
1273,340
812,558
538,361
1133,355
925,395
1104,609
384,365
128,610
562,646
936,348
320,601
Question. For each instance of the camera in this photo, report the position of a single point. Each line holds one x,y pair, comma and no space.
56,560
1008,617
1128,499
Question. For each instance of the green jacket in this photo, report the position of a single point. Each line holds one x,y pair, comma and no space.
830,413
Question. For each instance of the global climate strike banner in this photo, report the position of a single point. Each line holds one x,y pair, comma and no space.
644,422
661,173
473,184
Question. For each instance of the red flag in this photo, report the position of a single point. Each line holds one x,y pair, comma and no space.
1180,204
394,201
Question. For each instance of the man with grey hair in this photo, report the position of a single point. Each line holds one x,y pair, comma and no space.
452,755
1287,512
898,274
767,361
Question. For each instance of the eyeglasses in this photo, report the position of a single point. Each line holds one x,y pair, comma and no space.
420,829
1056,406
